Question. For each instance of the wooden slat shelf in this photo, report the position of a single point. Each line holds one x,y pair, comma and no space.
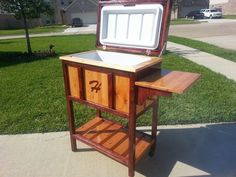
169,81
111,139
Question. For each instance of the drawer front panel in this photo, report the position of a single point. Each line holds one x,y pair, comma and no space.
96,87
73,76
107,89
122,91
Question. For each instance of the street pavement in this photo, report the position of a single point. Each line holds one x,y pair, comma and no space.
219,32
182,150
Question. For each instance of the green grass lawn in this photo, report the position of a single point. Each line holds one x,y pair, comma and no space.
37,30
183,21
32,92
229,16
205,47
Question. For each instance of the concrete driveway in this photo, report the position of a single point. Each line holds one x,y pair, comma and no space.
206,150
219,32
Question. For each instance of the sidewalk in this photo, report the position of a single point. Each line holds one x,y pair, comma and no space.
69,31
218,32
182,150
214,63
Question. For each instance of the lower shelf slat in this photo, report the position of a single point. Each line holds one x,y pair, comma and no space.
112,139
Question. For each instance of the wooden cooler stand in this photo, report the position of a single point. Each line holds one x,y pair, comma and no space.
124,84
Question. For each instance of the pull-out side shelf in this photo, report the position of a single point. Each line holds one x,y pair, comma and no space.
164,83
169,81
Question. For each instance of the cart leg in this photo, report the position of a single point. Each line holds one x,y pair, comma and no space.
99,113
132,131
71,124
155,109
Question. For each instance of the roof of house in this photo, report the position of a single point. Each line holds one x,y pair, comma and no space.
83,5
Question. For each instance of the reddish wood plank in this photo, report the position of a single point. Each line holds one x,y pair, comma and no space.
115,140
96,87
89,125
74,81
106,133
121,91
111,136
142,147
169,81
94,132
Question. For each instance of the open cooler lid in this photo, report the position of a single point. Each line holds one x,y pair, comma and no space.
139,26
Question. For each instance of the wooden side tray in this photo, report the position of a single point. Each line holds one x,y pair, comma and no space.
112,139
169,81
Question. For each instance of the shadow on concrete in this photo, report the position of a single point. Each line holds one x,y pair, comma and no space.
85,150
210,149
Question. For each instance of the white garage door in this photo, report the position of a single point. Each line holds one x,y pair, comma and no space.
87,17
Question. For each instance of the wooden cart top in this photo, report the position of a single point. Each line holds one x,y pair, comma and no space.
117,65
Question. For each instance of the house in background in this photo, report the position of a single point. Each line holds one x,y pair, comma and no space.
228,7
186,6
58,6
83,9
86,10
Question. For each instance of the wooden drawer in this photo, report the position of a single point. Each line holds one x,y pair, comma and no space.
74,81
97,87
121,93
101,88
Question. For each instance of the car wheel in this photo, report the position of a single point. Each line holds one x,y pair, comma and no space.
210,17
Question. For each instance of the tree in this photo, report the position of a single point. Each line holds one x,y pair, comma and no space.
175,6
25,10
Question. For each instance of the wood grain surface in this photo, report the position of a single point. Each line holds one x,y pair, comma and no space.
135,68
122,91
96,87
113,137
170,81
73,81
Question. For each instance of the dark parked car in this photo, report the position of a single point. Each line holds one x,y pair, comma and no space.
77,22
195,15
